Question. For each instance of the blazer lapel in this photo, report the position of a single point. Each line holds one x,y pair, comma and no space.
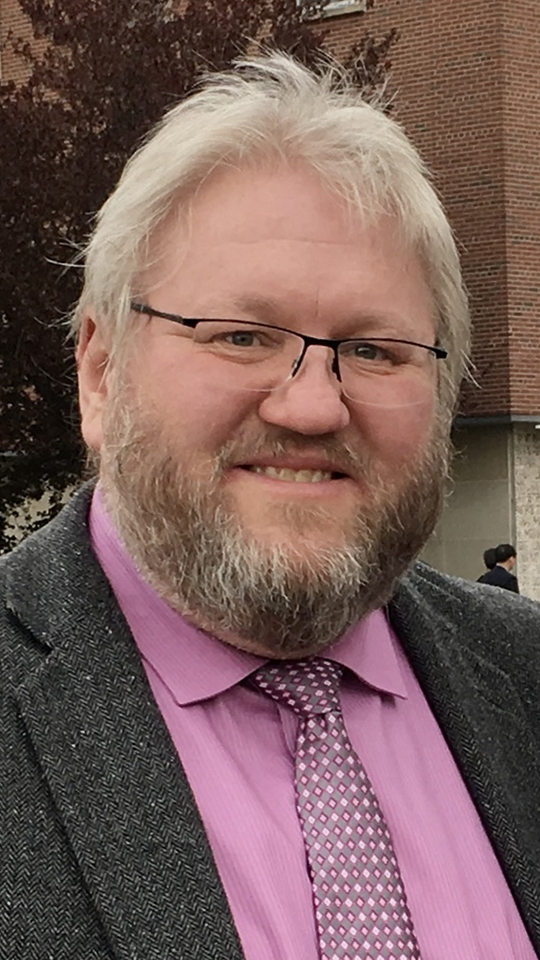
486,725
112,770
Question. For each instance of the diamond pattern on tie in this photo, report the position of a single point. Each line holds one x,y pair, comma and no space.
360,904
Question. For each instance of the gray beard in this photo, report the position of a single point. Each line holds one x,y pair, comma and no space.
188,544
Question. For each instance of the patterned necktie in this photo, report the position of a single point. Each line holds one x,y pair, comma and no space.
360,904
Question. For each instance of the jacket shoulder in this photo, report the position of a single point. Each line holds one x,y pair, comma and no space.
430,585
42,583
475,609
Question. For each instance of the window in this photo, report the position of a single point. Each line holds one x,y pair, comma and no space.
331,8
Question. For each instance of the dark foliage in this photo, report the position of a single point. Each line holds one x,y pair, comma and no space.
107,73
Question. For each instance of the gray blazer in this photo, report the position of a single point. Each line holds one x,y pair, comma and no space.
103,853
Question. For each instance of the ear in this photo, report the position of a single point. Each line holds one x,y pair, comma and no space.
93,357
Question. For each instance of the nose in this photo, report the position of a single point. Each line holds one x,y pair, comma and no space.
310,402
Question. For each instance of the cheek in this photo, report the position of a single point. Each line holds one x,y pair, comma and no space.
397,435
192,414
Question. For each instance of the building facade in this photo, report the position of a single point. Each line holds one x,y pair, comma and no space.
466,81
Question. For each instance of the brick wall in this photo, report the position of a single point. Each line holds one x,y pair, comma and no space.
466,81
521,65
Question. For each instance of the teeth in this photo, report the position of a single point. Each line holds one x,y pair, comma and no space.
293,476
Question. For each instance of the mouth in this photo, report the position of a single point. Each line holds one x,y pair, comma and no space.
290,475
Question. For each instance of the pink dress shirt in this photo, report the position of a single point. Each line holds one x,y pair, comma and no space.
237,749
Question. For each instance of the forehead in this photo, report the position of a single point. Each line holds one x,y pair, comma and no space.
284,236
265,203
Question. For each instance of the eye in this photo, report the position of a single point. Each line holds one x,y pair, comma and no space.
228,337
369,352
242,338
382,354
363,350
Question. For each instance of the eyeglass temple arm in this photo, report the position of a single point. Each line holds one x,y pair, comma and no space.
150,312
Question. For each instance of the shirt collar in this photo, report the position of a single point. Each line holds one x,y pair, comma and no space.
195,666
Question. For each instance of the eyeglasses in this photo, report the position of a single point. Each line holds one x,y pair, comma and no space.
242,355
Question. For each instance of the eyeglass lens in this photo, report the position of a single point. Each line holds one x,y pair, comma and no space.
260,358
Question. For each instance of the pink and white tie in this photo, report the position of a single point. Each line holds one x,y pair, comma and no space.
360,904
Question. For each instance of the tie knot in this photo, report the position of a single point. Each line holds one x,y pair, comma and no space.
307,686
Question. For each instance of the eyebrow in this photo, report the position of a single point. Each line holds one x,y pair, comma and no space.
262,308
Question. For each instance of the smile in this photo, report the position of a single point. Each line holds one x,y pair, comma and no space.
294,476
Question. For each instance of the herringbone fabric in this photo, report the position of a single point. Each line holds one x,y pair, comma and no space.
360,902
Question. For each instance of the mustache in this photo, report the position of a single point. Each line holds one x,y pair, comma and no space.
336,454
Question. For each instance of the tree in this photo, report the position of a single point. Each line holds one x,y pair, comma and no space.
106,73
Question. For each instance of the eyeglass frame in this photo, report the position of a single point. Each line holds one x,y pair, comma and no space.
332,344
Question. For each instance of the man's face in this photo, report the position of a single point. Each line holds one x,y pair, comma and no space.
298,477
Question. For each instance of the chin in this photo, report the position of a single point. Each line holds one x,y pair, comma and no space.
299,547
297,525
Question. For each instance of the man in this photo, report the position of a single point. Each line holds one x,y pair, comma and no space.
238,723
501,574
489,562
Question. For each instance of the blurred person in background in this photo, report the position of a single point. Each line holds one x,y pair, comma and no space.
501,574
489,562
